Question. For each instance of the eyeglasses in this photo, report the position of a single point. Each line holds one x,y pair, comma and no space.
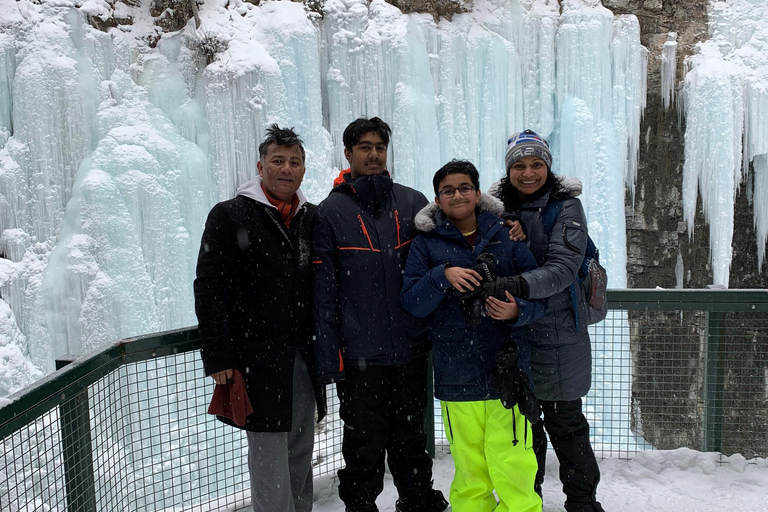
464,190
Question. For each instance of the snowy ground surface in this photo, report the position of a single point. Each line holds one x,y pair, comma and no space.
680,480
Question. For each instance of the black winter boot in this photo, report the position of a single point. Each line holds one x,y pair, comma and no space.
435,503
364,508
594,506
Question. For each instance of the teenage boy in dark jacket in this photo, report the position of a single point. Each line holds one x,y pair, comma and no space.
366,342
252,299
491,445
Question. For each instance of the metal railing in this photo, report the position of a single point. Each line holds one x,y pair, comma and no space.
125,428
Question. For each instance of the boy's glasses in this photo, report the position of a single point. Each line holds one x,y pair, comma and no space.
450,191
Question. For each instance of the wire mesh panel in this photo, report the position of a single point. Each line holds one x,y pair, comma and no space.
127,429
327,458
140,439
700,380
607,406
150,426
668,379
30,463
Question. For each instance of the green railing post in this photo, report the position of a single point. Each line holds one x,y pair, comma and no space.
76,449
714,383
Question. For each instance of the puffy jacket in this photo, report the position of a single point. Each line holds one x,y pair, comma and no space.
362,234
464,355
252,299
561,356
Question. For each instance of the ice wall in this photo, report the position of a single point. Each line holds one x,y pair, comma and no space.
107,177
102,199
725,100
377,64
270,72
599,100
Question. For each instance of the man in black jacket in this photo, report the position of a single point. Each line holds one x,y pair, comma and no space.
366,342
252,299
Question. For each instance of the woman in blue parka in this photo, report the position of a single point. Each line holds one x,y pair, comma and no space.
561,358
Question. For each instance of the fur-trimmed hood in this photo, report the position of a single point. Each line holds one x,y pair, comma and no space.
566,187
426,219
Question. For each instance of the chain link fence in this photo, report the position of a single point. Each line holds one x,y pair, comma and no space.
126,428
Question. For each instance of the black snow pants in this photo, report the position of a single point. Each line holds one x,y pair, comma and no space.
569,434
383,410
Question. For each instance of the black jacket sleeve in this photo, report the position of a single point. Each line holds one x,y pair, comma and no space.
215,264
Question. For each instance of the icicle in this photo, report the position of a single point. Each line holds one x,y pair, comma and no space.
714,99
760,164
725,100
669,70
7,70
629,86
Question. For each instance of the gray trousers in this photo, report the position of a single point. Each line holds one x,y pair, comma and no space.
280,463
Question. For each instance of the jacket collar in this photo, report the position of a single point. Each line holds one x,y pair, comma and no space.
252,189
431,216
371,191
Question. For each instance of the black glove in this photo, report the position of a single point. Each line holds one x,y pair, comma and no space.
486,267
515,285
512,384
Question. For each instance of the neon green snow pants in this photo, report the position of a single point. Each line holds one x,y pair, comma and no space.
486,458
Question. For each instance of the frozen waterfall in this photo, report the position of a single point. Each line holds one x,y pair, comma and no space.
726,98
113,152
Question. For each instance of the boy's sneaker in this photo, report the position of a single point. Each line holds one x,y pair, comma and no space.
436,503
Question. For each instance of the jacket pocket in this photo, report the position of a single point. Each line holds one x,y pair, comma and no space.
574,236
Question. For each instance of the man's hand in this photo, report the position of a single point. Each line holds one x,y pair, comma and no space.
222,377
463,279
516,233
500,310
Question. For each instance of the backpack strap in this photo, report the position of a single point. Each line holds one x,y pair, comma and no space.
549,216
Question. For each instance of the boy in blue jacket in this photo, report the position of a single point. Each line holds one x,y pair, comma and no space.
464,244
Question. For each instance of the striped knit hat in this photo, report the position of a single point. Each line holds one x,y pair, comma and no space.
527,143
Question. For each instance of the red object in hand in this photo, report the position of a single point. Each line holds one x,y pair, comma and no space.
231,401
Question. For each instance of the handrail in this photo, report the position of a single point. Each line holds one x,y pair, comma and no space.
74,378
686,299
27,404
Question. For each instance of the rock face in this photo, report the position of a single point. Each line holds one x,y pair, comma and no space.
675,355
660,250
657,237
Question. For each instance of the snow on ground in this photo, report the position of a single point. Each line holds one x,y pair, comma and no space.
680,480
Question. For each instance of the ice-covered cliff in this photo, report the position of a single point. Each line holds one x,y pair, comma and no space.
114,149
725,99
